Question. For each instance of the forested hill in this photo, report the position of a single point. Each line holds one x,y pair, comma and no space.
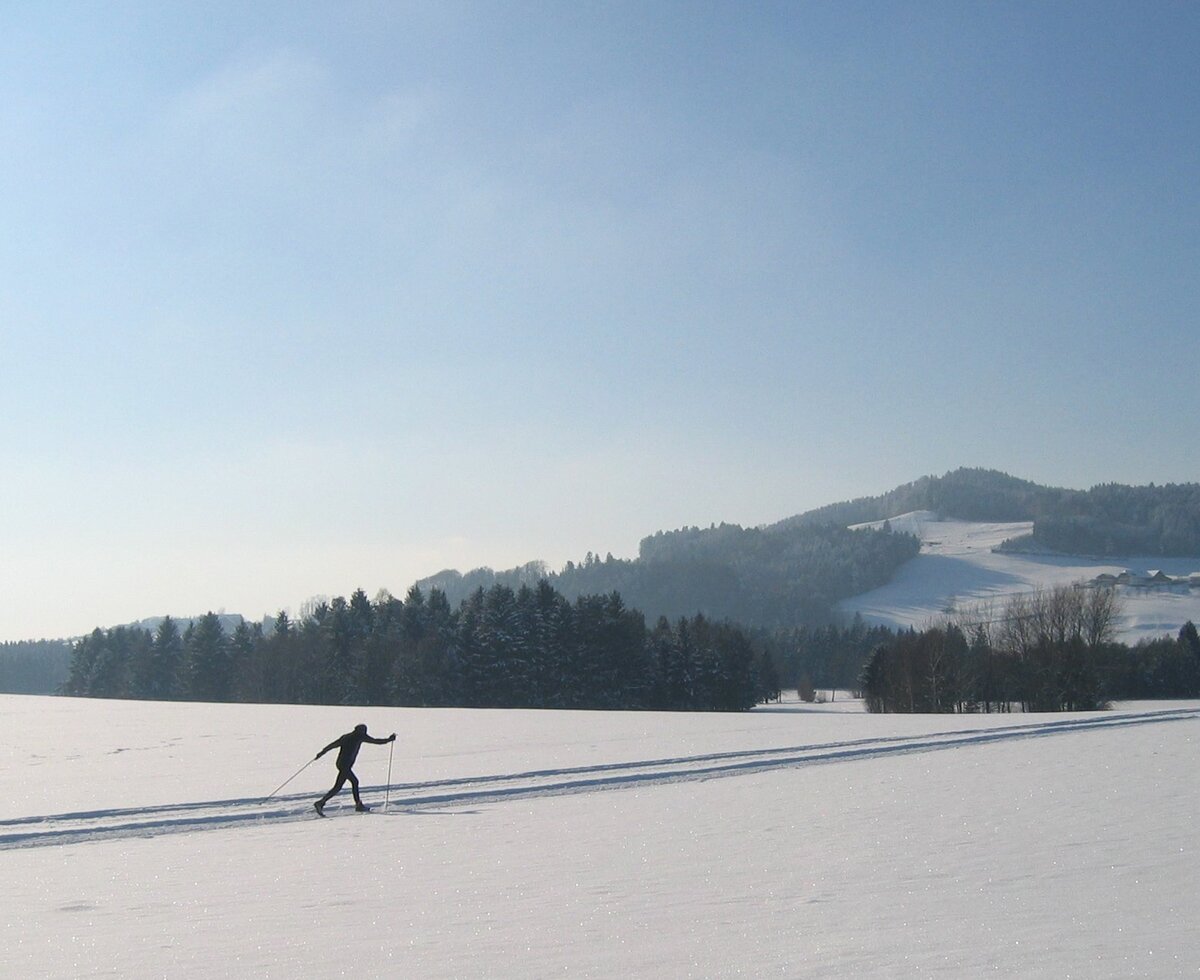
771,578
1108,520
792,572
966,494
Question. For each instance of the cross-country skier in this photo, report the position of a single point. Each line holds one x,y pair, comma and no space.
348,746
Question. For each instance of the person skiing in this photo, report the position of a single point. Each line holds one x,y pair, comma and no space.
348,746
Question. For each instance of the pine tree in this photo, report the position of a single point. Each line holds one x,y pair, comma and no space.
473,652
247,651
545,620
83,660
209,664
162,679
504,650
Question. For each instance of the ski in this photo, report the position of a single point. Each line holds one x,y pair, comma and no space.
321,811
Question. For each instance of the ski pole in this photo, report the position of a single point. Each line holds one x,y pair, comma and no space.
286,781
387,791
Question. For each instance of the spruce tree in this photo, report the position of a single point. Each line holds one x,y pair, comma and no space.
165,659
209,662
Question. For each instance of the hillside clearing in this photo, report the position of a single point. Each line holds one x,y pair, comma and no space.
959,570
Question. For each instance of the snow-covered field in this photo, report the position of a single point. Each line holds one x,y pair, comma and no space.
957,570
791,841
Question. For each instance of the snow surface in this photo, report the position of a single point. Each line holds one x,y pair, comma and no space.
793,841
957,569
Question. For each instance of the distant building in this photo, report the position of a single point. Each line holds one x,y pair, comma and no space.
1154,578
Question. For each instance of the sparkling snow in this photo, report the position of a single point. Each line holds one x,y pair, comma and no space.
794,840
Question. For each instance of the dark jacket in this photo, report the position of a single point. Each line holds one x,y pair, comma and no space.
349,744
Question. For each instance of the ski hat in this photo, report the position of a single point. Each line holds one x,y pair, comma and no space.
360,728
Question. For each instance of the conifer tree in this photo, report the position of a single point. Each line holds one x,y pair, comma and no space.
246,647
166,656
209,664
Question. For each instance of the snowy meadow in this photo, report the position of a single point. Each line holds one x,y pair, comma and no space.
793,840
959,571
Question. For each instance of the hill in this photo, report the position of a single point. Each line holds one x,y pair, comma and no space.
966,494
762,577
804,569
1108,520
823,565
962,570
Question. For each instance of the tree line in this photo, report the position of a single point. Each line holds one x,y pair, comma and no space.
33,666
1045,651
826,657
1110,519
968,493
761,578
502,647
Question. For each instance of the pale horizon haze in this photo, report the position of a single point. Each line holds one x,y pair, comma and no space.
299,298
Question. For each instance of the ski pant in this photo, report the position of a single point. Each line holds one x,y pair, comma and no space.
343,776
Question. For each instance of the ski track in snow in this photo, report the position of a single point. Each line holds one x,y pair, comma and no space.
408,798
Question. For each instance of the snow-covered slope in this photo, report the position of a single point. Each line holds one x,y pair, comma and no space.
795,841
958,569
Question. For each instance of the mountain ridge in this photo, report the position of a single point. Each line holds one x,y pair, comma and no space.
796,570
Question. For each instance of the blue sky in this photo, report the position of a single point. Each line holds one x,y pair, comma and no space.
296,299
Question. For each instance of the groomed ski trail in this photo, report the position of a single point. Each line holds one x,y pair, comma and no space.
99,825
